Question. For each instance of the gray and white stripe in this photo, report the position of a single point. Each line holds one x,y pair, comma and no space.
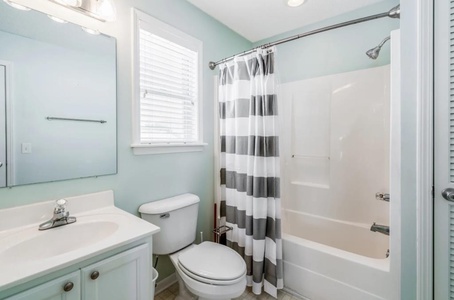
249,167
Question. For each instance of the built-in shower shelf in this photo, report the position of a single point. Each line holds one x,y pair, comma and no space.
310,157
310,184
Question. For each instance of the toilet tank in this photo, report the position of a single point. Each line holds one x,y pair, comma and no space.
177,218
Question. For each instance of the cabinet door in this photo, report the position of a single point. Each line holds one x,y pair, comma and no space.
123,276
63,288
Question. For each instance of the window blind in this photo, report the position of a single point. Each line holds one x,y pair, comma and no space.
168,91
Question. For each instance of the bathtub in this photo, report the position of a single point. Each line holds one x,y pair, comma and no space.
326,259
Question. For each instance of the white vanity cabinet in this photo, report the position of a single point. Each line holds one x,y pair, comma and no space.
124,276
63,288
104,255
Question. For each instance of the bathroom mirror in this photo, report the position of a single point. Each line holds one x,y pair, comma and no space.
58,88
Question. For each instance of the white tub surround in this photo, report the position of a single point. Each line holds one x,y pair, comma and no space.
338,142
335,145
27,254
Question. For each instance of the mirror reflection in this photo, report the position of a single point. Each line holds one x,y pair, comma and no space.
57,100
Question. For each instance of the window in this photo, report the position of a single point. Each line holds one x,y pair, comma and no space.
167,88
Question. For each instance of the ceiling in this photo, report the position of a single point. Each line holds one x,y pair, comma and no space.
260,19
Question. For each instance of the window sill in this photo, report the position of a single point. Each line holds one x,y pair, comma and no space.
146,149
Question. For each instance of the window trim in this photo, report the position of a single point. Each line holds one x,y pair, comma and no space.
143,148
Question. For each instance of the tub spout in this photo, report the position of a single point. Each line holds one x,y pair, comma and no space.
380,228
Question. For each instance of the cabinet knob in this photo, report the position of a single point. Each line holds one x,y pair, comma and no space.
94,275
68,286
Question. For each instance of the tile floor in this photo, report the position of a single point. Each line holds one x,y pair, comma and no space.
171,292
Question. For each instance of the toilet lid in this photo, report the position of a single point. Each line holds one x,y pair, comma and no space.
213,261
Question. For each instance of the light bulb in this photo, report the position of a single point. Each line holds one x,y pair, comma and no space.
58,20
295,3
106,10
91,31
73,3
15,5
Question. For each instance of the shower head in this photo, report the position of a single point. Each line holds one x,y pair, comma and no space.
374,52
394,12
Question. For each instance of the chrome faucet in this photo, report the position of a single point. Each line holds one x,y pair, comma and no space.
61,217
380,228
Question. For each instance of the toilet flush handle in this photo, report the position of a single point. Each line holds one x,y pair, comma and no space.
165,216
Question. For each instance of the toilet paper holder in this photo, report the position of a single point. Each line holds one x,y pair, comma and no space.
220,230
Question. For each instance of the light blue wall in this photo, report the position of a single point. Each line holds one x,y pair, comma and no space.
145,178
335,51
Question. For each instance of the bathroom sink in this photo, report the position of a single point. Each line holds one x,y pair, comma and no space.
35,244
27,253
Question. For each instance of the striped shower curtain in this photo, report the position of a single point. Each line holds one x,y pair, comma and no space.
249,162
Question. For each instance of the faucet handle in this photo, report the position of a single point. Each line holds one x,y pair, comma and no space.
60,206
382,196
61,202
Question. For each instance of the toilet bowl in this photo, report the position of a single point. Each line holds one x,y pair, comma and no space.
208,270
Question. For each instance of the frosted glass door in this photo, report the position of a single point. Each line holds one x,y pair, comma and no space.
444,150
2,126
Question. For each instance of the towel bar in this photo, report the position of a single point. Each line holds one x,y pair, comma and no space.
79,120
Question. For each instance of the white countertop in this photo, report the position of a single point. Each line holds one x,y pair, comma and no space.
100,227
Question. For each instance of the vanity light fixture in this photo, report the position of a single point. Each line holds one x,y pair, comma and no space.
58,20
106,10
15,5
295,3
102,10
72,3
91,31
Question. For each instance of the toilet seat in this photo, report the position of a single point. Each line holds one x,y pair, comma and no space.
201,287
210,280
213,263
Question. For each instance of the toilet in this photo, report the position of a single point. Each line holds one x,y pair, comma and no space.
208,270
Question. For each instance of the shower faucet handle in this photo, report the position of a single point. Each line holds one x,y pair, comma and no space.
382,196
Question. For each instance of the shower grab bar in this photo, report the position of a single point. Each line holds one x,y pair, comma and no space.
77,120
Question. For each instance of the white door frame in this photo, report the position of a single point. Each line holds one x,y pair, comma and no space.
424,147
9,121
3,119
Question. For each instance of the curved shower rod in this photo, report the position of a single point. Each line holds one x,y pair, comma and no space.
392,13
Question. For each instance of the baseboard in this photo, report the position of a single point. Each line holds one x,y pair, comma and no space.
293,293
165,283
